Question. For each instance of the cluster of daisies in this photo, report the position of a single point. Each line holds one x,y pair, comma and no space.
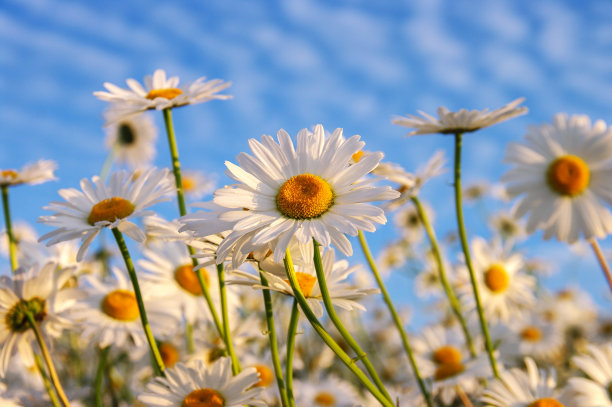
254,297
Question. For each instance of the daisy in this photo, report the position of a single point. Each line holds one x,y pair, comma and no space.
37,173
463,121
23,232
531,336
507,226
132,140
212,386
326,392
98,206
308,192
158,93
594,390
410,224
196,184
563,171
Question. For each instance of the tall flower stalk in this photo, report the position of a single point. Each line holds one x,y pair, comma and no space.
291,333
9,228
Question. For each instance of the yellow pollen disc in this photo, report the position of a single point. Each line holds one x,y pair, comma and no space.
325,398
568,175
496,278
306,282
545,402
9,174
565,295
266,377
169,354
188,279
121,305
188,184
304,196
446,370
446,355
168,93
203,398
357,156
110,209
531,334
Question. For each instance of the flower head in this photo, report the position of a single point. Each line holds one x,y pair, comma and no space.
133,140
37,173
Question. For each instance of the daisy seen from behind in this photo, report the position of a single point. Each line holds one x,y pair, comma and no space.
132,140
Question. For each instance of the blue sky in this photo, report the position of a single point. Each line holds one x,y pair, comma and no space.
293,64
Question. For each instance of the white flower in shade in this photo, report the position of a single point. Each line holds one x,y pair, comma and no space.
212,386
563,170
594,390
37,173
531,336
342,293
98,206
325,392
132,140
516,388
38,292
158,93
505,289
196,184
463,121
506,225
308,192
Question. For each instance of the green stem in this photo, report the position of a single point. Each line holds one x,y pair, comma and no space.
158,363
48,361
108,162
396,318
448,289
226,326
9,229
189,337
206,291
466,253
48,386
338,323
329,341
291,333
278,371
103,359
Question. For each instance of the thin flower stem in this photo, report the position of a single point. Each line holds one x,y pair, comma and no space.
448,289
329,341
331,312
189,337
47,358
102,361
464,398
468,258
180,197
226,326
9,229
108,162
396,319
602,261
48,386
291,334
158,363
278,370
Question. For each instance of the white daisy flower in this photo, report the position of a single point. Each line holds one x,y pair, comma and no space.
515,388
595,390
133,140
326,392
196,184
37,173
506,225
531,336
40,292
98,206
212,386
409,222
311,192
158,93
463,121
23,232
563,169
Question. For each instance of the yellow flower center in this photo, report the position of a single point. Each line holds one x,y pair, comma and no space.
188,279
188,184
305,281
357,156
496,278
568,175
446,355
168,93
531,333
9,174
121,305
110,210
169,354
304,196
446,370
203,398
266,377
325,398
545,402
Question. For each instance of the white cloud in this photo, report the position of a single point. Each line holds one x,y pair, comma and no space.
501,20
559,35
512,67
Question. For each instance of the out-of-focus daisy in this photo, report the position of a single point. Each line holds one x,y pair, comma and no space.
572,309
132,140
507,226
563,171
505,289
196,184
39,292
531,336
410,224
326,392
308,192
594,390
212,386
515,388
393,256
463,121
99,206
158,93
37,173
22,232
